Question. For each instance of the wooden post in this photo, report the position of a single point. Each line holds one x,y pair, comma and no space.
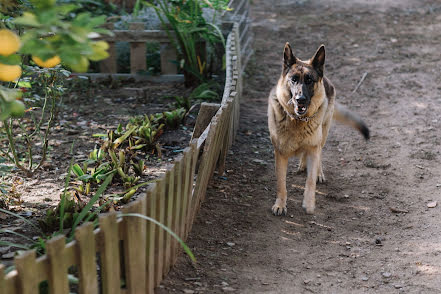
58,282
151,233
86,251
26,273
177,208
159,239
138,52
6,286
109,253
134,247
186,170
168,55
108,65
169,197
206,113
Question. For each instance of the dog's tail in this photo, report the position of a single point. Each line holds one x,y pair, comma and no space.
345,116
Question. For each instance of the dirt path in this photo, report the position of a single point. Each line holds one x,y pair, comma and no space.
354,243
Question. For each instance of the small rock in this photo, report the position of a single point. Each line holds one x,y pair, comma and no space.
260,161
4,250
432,204
228,289
8,255
346,196
231,244
224,284
378,242
364,278
386,274
398,286
306,282
188,291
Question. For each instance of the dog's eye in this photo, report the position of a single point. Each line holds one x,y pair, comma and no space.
308,80
295,79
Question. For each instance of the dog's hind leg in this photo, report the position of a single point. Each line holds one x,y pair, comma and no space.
279,206
313,161
302,163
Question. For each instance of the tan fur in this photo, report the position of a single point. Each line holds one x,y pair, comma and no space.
293,137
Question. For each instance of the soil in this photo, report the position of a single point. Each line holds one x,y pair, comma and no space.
376,228
90,109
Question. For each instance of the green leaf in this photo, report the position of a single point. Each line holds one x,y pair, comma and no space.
85,177
89,205
20,217
10,95
24,84
184,246
77,170
12,59
27,19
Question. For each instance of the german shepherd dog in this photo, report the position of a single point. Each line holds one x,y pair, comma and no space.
300,111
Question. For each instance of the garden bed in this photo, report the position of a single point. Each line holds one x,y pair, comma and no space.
89,110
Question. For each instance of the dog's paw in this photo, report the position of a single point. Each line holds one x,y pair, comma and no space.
302,166
321,177
308,206
279,208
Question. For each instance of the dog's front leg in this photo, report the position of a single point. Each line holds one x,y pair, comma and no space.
279,207
313,163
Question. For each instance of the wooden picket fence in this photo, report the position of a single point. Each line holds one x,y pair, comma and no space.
128,248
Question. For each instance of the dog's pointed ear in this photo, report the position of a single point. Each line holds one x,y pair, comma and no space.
318,61
288,58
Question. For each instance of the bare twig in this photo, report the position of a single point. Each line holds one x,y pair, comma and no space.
398,210
321,226
359,83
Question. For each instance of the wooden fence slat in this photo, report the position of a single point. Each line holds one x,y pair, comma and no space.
169,197
25,265
159,236
206,113
86,252
58,282
150,234
2,279
194,155
177,208
225,141
6,287
185,222
134,247
109,254
10,283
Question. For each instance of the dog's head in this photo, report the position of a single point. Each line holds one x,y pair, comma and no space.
301,79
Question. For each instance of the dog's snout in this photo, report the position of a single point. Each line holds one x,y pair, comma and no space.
301,99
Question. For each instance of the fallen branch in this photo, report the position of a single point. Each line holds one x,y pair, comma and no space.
359,83
321,226
397,210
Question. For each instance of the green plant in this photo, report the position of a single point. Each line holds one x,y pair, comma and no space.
174,117
184,18
43,89
207,91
